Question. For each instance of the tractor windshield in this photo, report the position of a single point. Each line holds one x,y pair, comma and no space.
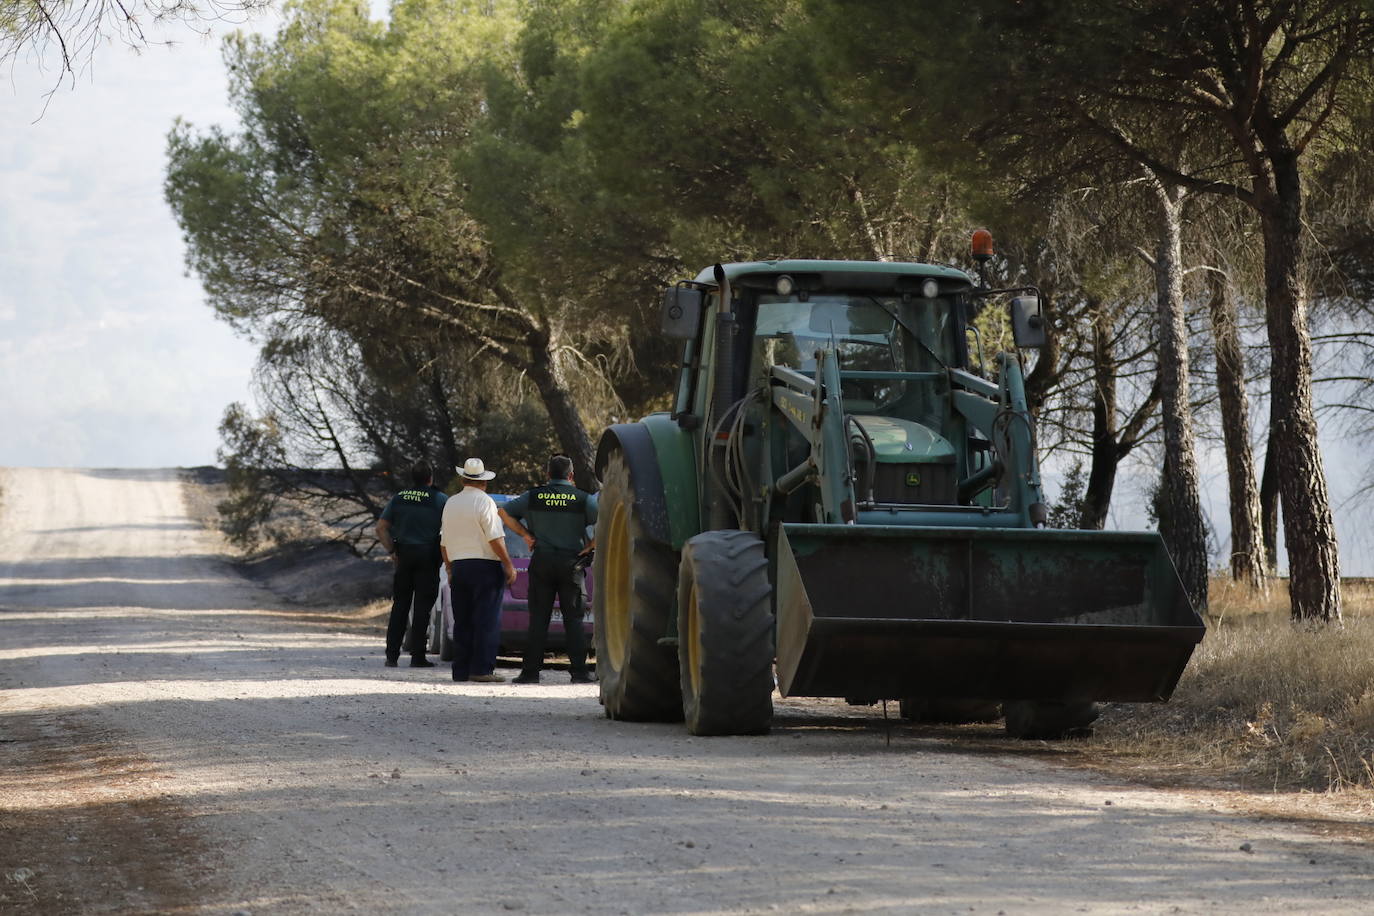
870,333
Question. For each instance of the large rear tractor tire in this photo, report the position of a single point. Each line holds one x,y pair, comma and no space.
631,607
949,712
1049,720
725,621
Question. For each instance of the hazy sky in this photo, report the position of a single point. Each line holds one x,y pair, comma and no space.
108,355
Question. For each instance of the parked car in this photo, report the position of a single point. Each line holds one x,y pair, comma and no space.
515,613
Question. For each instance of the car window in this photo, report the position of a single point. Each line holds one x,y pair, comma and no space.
515,545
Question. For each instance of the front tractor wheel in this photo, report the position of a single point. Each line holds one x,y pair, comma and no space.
634,577
725,626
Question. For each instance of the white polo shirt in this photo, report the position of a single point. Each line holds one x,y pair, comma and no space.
470,524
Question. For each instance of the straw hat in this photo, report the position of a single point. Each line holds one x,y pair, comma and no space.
474,469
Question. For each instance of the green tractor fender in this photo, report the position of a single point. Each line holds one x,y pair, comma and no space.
662,460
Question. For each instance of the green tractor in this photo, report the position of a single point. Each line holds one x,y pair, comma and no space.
842,503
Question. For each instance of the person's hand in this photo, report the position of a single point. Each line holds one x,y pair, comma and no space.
529,540
394,558
510,575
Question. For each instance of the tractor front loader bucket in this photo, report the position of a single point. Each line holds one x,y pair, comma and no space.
882,612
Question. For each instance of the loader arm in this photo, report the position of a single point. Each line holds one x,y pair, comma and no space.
814,407
1000,413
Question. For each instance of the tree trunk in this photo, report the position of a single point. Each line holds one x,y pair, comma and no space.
558,402
439,398
1186,536
1269,501
1247,551
935,223
1309,530
1097,497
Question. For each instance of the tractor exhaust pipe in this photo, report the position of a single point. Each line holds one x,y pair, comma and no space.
722,396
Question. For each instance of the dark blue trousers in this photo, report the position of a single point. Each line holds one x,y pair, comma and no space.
477,587
416,578
555,573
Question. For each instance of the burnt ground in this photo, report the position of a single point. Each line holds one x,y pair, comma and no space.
308,569
94,846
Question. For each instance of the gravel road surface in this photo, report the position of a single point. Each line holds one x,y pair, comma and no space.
175,739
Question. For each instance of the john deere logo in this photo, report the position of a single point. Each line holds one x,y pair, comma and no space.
913,479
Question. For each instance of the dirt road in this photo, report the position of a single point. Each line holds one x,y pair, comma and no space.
171,740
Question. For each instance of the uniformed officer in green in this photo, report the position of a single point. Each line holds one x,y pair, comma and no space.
409,532
555,518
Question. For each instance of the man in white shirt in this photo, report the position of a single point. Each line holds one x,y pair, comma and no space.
473,546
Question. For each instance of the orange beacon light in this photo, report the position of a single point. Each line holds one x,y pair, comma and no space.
981,245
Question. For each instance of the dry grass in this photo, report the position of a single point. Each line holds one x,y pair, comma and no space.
1263,703
1227,600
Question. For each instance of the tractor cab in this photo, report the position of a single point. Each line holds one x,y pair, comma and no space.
892,353
892,332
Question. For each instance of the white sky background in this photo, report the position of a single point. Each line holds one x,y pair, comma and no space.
1347,462
108,355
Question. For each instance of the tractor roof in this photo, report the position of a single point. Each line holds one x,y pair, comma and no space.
838,274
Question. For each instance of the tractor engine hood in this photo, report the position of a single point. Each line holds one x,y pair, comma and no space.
898,441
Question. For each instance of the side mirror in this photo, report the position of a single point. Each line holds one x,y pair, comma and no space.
1027,323
682,312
